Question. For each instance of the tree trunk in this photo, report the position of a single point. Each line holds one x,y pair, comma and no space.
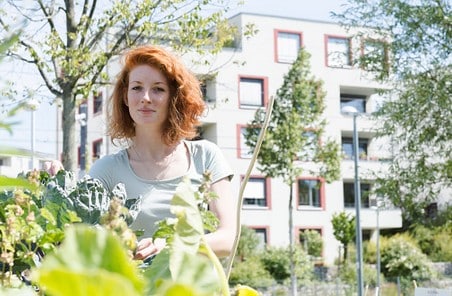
69,157
345,252
293,277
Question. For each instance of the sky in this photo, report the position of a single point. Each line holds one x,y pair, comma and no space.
45,119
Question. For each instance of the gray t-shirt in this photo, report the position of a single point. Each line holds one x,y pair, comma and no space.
156,195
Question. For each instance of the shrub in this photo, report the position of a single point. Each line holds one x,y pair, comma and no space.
401,257
276,261
313,242
369,252
248,243
442,241
435,242
250,272
348,274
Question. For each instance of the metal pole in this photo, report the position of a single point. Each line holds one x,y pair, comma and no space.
83,136
359,249
378,250
32,158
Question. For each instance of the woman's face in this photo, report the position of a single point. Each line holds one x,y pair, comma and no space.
148,96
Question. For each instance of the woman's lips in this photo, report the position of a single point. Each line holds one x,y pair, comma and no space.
146,111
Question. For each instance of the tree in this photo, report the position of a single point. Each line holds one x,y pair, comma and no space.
293,135
344,230
417,115
4,123
312,242
71,42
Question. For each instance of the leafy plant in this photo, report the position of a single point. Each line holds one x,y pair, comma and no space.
276,262
91,261
401,257
344,230
251,272
248,244
313,242
99,259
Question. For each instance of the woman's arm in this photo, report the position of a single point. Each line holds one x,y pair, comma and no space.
222,240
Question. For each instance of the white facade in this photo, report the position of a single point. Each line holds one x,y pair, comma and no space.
265,59
14,161
257,58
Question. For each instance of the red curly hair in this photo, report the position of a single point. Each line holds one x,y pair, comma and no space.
186,103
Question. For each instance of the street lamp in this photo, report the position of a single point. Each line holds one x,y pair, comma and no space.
31,106
377,211
349,110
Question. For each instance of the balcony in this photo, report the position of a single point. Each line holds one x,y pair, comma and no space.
388,218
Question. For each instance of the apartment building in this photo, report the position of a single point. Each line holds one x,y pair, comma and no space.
249,73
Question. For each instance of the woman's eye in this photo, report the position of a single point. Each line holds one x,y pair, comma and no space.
159,89
135,88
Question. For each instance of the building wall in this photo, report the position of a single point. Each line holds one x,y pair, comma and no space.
255,57
19,161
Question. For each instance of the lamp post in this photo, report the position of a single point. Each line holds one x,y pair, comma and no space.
377,211
349,110
31,106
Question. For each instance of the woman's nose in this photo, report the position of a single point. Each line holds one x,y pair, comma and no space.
146,97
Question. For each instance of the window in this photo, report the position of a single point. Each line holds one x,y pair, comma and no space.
207,86
348,149
375,55
97,149
5,161
349,194
356,101
252,92
338,52
244,151
287,46
262,234
310,192
97,102
255,193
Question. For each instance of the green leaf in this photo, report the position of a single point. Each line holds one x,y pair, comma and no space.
7,183
62,281
158,271
91,261
48,216
189,226
196,278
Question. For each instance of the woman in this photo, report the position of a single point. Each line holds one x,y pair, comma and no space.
155,107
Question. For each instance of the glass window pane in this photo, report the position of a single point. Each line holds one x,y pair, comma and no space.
251,92
349,194
348,149
255,193
338,52
262,234
358,102
97,100
309,192
288,46
245,150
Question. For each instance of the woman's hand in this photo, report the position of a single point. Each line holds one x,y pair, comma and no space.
53,167
146,247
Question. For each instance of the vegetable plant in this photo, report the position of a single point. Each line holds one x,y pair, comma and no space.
63,236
